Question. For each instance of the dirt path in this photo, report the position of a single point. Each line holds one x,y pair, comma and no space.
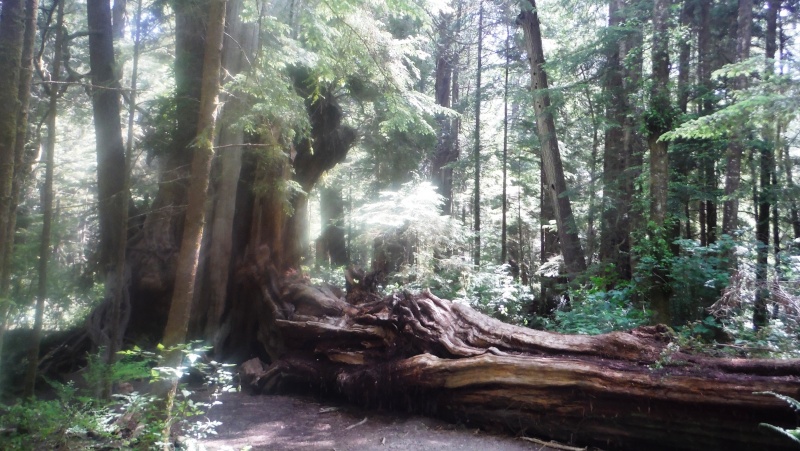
282,422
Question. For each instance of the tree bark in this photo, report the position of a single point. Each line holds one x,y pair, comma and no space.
111,167
203,150
239,47
622,390
556,187
659,121
12,31
765,193
615,246
154,252
22,162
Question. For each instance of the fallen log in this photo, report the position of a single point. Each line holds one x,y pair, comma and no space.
623,390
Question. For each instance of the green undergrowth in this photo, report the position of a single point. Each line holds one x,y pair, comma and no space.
74,416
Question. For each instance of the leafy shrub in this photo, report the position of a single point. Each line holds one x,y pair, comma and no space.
598,312
495,292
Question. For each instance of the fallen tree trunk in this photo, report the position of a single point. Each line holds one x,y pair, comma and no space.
623,390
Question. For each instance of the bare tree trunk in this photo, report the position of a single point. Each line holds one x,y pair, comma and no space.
659,120
551,158
476,227
239,47
708,173
504,222
47,208
22,162
12,32
765,193
733,172
615,243
446,154
203,149
111,165
153,255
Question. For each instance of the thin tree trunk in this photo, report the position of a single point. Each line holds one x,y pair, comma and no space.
765,195
47,209
556,187
441,172
504,225
733,172
708,174
477,155
590,228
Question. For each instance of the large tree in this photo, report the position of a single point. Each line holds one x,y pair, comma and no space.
555,183
12,32
111,166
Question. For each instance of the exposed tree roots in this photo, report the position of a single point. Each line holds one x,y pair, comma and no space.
621,390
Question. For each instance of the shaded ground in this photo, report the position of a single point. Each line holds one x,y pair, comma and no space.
280,422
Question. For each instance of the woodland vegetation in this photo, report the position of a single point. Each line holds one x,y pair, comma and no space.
570,219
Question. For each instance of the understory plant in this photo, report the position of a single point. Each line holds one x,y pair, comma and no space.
77,419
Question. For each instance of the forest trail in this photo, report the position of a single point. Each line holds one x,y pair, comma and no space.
282,422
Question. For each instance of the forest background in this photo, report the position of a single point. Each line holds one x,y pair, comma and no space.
573,165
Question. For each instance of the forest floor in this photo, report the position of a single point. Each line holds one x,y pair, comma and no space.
294,422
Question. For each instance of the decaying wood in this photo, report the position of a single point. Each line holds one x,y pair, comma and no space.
623,390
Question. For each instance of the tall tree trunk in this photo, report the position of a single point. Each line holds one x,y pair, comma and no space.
111,170
12,33
22,161
659,121
590,215
153,255
615,243
477,156
239,46
504,222
47,208
120,299
556,187
765,194
708,170
176,330
733,171
441,171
